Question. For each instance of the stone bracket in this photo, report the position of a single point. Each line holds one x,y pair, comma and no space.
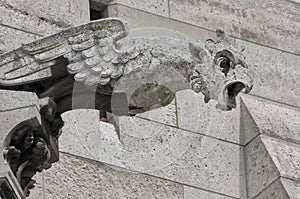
27,143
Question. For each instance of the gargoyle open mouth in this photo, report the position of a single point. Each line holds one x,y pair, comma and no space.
230,92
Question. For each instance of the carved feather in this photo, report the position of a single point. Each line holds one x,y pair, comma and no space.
89,48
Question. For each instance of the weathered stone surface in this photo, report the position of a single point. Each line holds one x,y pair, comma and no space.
260,168
196,115
192,193
273,119
152,145
60,12
158,7
285,155
17,99
10,119
248,126
292,187
270,68
75,177
282,188
11,38
208,164
161,151
139,23
273,23
275,190
29,23
16,107
165,115
275,73
72,139
296,1
38,191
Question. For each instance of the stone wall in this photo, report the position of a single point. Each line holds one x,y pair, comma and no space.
188,149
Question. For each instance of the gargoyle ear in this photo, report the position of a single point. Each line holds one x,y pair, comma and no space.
197,51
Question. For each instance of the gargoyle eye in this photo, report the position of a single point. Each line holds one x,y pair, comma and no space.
224,63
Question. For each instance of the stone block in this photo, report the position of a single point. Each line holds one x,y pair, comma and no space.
285,155
292,187
11,38
282,188
17,99
260,168
158,7
197,116
272,23
275,190
162,151
192,193
60,12
208,164
14,18
72,139
275,73
165,115
9,119
74,177
273,119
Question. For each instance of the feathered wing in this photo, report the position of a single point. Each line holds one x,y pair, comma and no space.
90,49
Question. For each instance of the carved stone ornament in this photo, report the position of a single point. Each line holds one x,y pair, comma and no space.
90,65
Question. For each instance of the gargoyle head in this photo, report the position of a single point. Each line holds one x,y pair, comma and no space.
220,73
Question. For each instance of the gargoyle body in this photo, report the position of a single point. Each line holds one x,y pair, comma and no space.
148,70
95,66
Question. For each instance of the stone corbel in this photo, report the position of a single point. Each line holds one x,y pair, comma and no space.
27,144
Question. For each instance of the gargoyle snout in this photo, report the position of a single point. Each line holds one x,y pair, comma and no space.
227,98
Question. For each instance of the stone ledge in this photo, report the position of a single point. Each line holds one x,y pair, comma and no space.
74,177
11,100
155,149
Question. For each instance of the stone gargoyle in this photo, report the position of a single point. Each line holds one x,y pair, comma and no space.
95,65
148,70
